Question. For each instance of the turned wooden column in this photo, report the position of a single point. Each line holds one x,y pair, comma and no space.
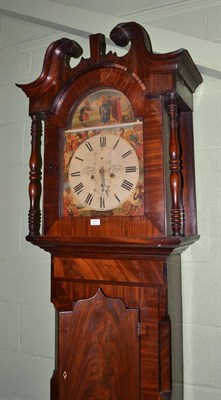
175,168
35,164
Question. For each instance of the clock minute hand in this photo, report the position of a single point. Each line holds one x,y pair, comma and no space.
101,171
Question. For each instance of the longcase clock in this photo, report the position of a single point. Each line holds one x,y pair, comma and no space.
118,208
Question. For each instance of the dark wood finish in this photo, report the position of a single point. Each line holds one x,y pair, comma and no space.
175,176
142,286
35,163
110,284
90,350
174,277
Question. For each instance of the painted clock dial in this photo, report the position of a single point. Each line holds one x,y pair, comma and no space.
103,158
103,172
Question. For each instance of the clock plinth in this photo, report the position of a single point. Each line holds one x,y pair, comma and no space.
118,210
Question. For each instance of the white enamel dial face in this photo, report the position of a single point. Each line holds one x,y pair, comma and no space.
103,172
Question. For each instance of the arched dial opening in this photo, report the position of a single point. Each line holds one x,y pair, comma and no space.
103,158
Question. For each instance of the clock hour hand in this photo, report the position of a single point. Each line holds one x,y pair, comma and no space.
104,187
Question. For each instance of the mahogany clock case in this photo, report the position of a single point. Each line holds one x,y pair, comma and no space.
115,219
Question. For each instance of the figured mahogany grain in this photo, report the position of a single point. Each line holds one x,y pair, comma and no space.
94,363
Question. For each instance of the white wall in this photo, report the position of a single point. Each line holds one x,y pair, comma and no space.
201,262
26,315
27,318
